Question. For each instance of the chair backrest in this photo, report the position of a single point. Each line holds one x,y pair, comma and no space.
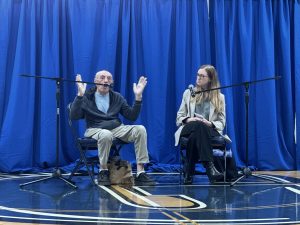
70,122
217,142
82,143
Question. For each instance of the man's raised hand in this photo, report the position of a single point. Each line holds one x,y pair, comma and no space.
139,88
80,86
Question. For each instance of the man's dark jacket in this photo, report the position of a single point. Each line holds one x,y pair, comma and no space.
85,107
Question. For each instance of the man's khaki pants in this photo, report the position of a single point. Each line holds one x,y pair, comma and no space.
127,133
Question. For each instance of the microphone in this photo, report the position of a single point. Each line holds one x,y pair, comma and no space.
105,85
191,88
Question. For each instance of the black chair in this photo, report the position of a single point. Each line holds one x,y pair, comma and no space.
220,154
85,144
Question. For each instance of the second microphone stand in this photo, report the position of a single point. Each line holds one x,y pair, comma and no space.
246,171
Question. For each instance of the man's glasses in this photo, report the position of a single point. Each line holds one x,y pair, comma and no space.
101,78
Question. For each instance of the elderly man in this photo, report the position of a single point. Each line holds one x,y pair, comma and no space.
101,106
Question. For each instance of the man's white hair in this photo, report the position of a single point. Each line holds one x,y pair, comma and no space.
102,72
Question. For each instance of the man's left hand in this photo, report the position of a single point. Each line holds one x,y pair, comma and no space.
139,88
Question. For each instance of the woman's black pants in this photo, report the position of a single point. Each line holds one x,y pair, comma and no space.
198,146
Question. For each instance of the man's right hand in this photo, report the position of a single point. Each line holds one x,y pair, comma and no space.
81,86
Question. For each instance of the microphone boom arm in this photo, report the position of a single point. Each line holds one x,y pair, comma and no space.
59,79
247,83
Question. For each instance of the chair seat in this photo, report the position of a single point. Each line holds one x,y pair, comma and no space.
89,143
219,151
216,142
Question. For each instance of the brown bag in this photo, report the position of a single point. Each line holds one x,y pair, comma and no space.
120,172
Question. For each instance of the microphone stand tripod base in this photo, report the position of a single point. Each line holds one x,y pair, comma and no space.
55,174
247,173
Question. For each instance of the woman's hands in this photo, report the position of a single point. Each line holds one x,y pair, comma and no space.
202,120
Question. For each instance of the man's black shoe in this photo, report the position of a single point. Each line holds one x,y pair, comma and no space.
103,178
144,180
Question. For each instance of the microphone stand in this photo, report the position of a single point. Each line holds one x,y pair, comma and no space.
246,171
57,172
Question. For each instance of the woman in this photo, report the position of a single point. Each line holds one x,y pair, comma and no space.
201,117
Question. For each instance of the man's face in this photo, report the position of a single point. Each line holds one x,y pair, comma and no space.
103,77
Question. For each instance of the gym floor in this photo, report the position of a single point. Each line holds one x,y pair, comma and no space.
250,201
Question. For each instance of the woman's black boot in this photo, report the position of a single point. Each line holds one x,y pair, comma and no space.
212,173
188,179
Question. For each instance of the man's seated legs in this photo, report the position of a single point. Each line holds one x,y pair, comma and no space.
104,139
138,135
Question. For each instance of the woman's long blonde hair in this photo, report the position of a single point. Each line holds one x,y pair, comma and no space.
213,96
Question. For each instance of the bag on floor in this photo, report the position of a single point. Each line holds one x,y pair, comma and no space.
120,172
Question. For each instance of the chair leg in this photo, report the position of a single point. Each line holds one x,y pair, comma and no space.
84,161
182,166
93,169
78,165
222,167
88,169
225,165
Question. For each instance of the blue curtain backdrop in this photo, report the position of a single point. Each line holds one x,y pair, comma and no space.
165,40
253,40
